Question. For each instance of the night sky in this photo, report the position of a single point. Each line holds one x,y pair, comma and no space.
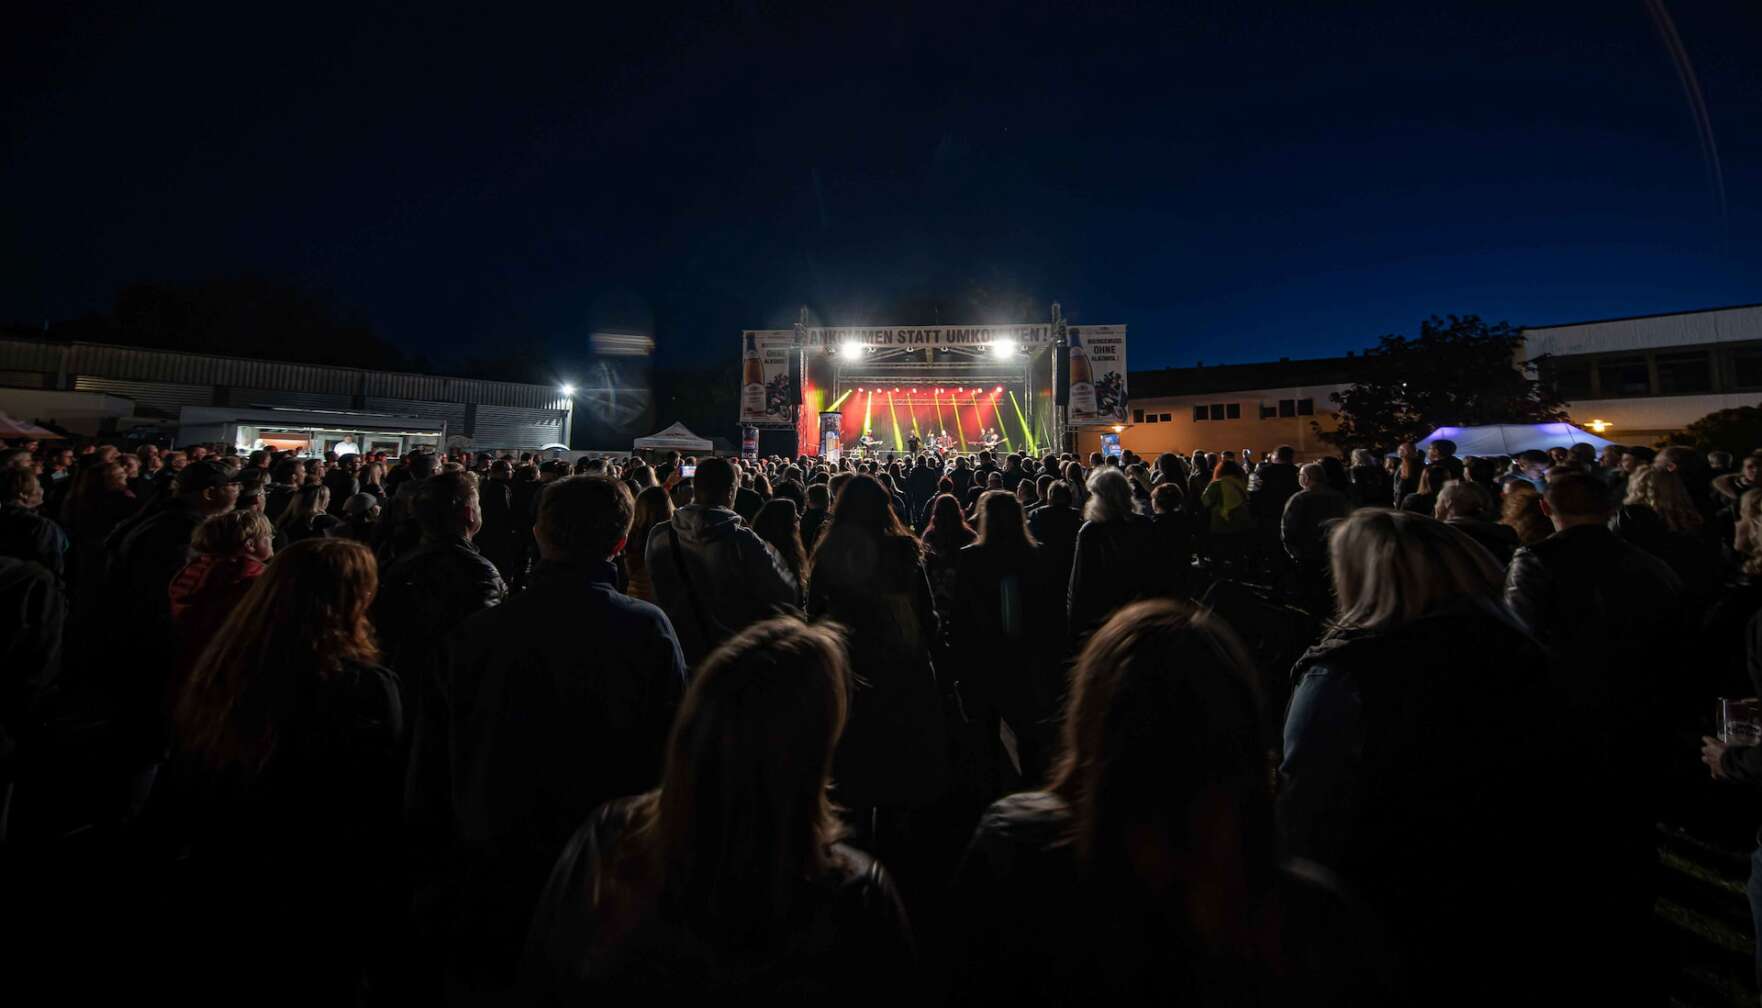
1235,181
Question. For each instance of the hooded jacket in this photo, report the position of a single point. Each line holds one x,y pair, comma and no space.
732,578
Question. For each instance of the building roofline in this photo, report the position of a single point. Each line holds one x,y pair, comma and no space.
1635,318
41,341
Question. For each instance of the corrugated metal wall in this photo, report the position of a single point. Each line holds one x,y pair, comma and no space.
452,413
500,427
167,397
136,364
508,414
302,400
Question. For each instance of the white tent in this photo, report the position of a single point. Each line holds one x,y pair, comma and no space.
678,437
1509,439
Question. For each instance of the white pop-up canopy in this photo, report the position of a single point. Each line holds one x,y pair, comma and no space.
678,437
1509,439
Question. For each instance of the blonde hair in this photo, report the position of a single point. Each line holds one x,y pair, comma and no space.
1748,539
225,534
1663,491
1393,567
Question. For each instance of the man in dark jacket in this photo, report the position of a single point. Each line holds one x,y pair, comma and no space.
712,575
1054,526
1303,530
1468,509
1609,613
287,475
429,591
32,614
499,539
920,486
531,731
144,554
1275,482
25,534
342,482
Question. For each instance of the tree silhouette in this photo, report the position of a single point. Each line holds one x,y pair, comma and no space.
1460,371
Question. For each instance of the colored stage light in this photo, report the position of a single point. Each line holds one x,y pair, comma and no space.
997,391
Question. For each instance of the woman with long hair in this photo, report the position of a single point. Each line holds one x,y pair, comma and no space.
1747,534
944,486
730,879
653,507
946,534
1115,560
372,477
868,574
305,517
777,524
1004,612
1659,517
1376,707
1148,868
1424,500
1663,493
285,789
1520,509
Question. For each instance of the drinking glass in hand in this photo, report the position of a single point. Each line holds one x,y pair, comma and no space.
1739,721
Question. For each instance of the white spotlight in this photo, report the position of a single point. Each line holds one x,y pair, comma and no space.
568,391
1004,347
851,351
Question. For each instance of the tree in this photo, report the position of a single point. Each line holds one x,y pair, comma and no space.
1459,371
1737,430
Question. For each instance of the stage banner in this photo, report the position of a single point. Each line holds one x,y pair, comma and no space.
977,337
764,377
1098,374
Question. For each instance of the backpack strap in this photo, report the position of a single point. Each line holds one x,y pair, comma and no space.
704,623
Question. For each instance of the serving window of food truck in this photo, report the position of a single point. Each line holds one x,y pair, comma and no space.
313,442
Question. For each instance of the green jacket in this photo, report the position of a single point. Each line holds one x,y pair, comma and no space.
1226,501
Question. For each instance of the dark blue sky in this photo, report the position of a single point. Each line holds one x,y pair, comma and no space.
1235,181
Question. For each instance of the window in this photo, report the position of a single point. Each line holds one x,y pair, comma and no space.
1165,418
1287,407
1624,376
1306,407
1233,410
1746,367
1217,411
1571,379
1200,413
1268,412
1143,419
1684,372
1137,416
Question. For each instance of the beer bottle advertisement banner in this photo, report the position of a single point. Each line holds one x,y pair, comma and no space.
1098,374
764,377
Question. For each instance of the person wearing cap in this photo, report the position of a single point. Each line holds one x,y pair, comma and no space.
145,553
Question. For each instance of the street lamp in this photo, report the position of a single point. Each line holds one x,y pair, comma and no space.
568,391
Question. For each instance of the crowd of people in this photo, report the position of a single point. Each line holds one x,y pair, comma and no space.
1028,728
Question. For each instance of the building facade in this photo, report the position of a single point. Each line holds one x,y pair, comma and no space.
309,408
1637,380
1231,406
